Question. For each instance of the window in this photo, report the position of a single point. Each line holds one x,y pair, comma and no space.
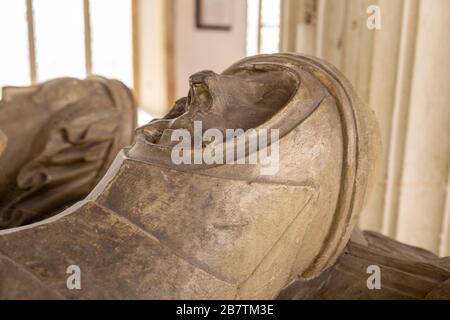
111,38
14,56
263,26
44,39
59,39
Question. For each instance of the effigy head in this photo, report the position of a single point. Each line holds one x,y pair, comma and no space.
62,136
264,205
199,209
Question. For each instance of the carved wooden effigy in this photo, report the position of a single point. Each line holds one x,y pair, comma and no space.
62,137
154,229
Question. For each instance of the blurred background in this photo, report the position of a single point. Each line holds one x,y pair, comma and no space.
395,52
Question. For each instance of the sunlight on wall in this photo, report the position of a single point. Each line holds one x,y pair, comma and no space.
252,27
270,26
111,32
263,26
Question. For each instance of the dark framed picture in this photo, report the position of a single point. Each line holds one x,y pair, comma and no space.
214,14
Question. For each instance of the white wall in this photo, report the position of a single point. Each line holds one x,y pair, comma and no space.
199,49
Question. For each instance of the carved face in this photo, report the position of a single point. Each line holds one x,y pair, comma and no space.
298,219
246,229
245,99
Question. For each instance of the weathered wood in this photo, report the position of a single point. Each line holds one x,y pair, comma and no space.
155,229
62,137
406,272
